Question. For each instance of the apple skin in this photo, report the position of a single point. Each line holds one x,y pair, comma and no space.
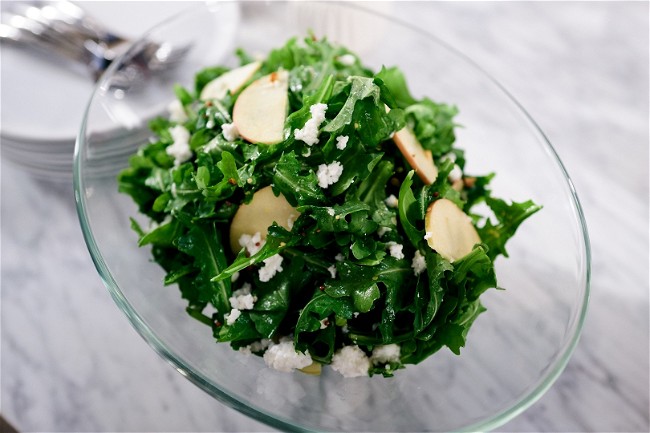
230,81
257,216
261,109
450,231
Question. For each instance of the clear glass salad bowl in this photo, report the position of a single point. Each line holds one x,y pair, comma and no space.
514,351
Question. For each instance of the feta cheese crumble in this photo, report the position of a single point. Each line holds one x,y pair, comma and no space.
272,266
386,353
330,211
428,236
309,132
332,271
418,264
232,316
176,111
329,174
284,357
230,132
391,201
180,148
339,257
396,250
342,142
351,361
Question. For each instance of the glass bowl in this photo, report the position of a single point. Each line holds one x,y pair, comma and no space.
514,351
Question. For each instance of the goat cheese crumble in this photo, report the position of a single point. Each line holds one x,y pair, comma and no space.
284,357
395,250
418,264
347,59
309,132
342,142
391,201
385,353
329,174
272,266
177,111
230,132
180,148
351,361
232,317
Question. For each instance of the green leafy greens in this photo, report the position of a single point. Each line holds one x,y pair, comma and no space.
354,269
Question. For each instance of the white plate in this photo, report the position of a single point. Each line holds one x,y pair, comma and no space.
43,101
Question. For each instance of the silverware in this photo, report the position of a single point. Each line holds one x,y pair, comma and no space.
63,30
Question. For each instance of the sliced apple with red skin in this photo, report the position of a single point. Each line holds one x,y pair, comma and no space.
230,81
261,109
257,216
449,230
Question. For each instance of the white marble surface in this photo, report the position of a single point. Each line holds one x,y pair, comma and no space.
70,361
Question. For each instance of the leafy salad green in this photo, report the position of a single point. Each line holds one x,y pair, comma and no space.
352,272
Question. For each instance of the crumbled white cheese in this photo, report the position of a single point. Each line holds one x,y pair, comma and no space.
324,323
396,250
229,131
381,231
342,142
309,132
332,271
177,111
345,329
272,266
391,201
232,316
451,156
455,174
242,299
258,346
180,148
329,174
356,314
330,211
251,243
347,59
418,264
284,357
339,257
386,353
428,236
351,361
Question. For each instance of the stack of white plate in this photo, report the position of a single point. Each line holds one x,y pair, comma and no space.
42,101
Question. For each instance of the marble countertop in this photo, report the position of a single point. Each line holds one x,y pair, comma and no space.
70,361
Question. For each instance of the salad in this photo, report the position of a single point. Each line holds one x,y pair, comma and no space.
313,212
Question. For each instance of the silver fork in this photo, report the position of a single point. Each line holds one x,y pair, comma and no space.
62,29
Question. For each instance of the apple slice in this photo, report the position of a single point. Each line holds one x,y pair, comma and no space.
230,81
419,159
261,109
258,215
449,230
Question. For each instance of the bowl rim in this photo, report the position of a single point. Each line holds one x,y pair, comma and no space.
178,363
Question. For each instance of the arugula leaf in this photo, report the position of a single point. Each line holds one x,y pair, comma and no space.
203,243
509,217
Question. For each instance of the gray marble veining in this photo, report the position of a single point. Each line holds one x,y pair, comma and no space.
71,362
